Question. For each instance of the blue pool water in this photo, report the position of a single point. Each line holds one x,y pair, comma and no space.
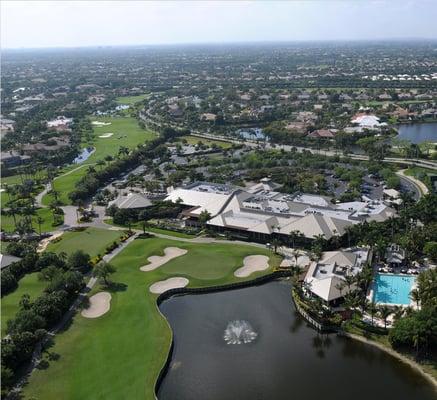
393,289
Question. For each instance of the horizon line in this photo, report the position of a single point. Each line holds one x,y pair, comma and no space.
247,42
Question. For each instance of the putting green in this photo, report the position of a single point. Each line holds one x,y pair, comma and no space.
91,240
119,355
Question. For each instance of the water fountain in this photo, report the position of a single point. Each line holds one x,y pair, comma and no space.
239,332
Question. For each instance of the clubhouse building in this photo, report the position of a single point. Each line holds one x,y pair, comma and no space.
260,211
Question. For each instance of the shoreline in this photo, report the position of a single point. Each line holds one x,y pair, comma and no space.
413,364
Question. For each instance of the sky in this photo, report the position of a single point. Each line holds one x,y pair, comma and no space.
32,24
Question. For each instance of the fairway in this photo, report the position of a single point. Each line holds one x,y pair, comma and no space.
126,133
119,355
30,285
129,100
92,241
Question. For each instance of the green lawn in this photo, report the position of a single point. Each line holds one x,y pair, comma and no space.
126,132
9,304
7,221
119,355
129,100
194,140
92,241
170,232
137,225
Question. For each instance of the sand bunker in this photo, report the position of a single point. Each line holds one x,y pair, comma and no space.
99,305
252,264
170,283
45,242
157,261
106,135
98,123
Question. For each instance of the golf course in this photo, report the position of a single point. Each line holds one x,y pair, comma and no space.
133,337
91,240
125,132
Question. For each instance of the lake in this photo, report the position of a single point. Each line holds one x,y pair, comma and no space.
418,133
84,155
282,359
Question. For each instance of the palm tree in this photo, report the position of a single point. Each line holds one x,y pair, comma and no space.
350,301
296,271
13,210
296,254
123,151
371,308
384,313
39,221
365,278
275,244
340,287
320,240
349,280
415,296
294,235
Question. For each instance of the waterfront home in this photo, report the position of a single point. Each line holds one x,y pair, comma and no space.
327,278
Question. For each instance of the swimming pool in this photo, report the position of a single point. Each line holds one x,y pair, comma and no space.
393,289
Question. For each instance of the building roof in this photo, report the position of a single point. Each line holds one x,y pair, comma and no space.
261,209
6,260
326,277
367,121
204,196
132,201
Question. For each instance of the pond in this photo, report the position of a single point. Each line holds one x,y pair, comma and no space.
250,344
84,155
418,133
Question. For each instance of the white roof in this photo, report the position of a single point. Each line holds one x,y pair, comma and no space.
369,121
267,211
392,193
132,201
204,200
326,276
59,121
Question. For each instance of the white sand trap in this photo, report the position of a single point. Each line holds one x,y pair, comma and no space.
106,135
45,242
99,305
170,283
157,261
98,123
252,264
